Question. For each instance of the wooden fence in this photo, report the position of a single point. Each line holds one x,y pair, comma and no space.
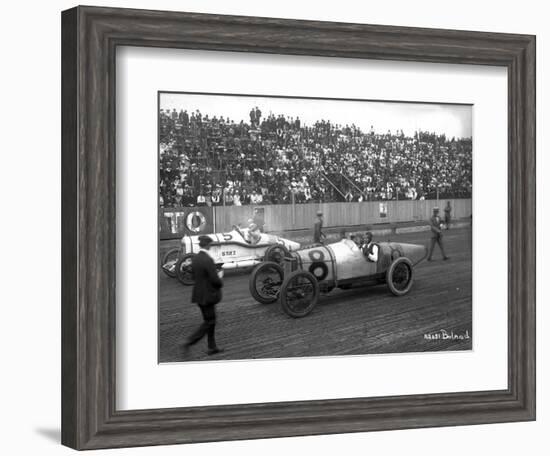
284,217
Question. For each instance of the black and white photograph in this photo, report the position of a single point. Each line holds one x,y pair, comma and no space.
297,227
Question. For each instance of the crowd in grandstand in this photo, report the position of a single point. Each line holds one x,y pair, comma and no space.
275,159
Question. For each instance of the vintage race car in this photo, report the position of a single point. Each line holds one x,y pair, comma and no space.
308,272
233,250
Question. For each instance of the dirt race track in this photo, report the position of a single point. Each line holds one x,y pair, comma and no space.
350,322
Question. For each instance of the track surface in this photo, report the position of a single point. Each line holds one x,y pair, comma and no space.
350,322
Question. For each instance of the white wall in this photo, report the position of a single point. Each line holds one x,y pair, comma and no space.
30,251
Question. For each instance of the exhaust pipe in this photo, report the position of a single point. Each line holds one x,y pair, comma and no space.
240,264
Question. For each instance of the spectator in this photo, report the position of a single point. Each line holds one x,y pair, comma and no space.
279,160
201,199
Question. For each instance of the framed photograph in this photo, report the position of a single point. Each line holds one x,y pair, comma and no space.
298,207
279,228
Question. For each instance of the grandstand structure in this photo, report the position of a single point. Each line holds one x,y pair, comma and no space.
209,160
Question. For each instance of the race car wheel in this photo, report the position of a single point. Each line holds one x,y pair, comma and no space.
399,276
184,273
299,294
276,253
265,282
169,261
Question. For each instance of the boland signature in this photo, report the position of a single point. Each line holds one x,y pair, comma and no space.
443,334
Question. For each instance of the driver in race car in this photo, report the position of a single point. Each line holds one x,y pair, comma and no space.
254,234
369,248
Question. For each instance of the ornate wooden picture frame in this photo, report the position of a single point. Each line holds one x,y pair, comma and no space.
90,37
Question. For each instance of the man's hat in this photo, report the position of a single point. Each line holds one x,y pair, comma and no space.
205,240
319,212
435,209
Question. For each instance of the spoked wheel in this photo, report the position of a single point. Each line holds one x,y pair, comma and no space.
169,261
265,282
399,276
299,294
184,272
276,253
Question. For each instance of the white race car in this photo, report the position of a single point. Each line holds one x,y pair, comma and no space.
233,250
319,269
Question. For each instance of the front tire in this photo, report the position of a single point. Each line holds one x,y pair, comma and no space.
299,294
399,276
265,282
169,261
184,272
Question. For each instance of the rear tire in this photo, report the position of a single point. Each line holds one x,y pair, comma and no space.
263,288
299,294
184,272
171,255
276,254
399,276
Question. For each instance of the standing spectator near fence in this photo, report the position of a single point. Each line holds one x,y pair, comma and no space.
318,235
258,219
447,215
437,234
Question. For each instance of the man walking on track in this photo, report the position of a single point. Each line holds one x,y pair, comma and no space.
437,234
206,294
